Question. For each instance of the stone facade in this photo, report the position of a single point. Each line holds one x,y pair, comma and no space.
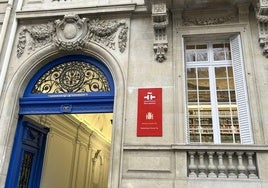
142,43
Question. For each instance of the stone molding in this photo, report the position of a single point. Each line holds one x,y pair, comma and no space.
160,22
262,18
72,33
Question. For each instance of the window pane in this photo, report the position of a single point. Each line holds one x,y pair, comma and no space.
218,46
228,121
226,126
202,56
190,47
193,115
200,123
194,137
223,96
207,136
230,72
203,72
201,52
228,51
237,138
201,46
192,96
227,138
218,52
227,47
190,53
190,56
231,83
221,84
204,96
232,96
203,84
234,112
192,85
191,73
224,111
220,72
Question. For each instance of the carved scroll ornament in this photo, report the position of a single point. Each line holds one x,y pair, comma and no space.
72,33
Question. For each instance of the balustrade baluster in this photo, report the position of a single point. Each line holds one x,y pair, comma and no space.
251,167
211,165
231,167
192,166
221,167
239,164
241,167
201,166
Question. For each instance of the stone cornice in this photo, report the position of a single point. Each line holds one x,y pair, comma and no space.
188,147
42,13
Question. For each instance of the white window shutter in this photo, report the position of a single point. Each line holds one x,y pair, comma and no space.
186,122
241,91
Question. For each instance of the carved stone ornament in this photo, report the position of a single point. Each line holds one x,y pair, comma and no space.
160,51
160,22
187,20
40,35
262,18
72,33
103,31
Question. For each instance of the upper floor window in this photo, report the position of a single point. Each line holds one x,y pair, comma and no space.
216,95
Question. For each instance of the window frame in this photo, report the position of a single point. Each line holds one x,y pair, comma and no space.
212,64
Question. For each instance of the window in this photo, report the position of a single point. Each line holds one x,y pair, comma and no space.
216,94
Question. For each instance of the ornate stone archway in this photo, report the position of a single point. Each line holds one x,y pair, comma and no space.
17,84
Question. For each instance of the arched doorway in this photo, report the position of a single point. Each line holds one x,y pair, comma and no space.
56,102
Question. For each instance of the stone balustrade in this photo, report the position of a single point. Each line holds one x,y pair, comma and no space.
222,164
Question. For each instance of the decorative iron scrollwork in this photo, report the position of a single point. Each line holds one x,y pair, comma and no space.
74,76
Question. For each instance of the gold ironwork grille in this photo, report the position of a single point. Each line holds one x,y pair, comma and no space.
74,76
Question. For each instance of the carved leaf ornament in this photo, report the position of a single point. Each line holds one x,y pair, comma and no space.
72,33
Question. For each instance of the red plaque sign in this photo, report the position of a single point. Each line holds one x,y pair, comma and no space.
149,112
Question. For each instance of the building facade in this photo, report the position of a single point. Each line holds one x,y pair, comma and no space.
133,93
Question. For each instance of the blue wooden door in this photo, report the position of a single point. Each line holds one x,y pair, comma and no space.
27,156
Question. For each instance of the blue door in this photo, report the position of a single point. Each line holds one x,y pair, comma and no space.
27,156
67,85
